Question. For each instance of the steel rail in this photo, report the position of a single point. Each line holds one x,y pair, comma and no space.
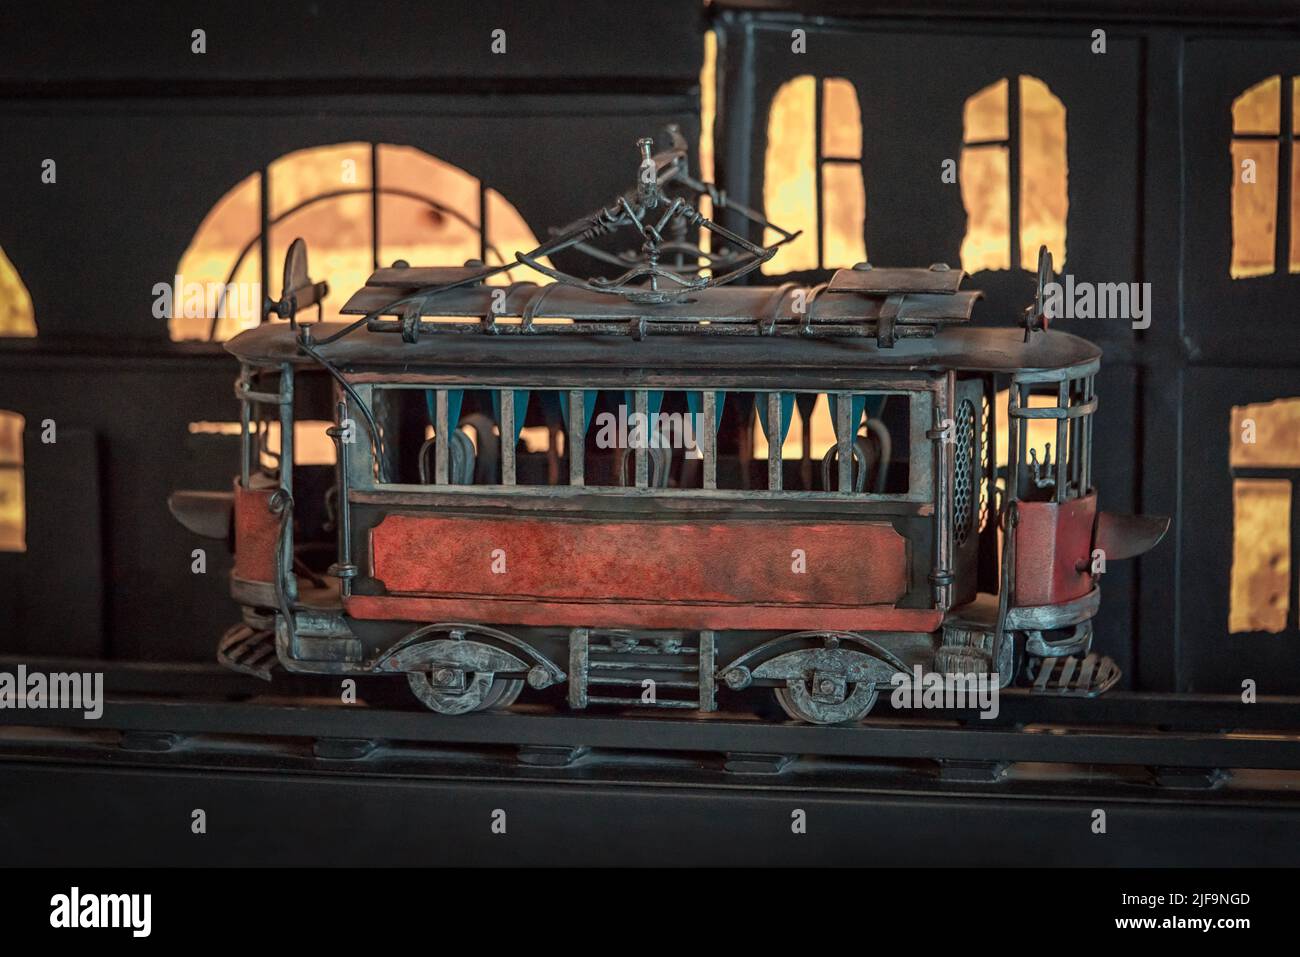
541,727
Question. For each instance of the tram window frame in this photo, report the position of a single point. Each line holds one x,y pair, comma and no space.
1068,477
921,403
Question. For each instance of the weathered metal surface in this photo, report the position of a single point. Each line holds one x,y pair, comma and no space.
741,305
249,651
649,614
739,562
456,675
208,514
982,613
257,531
1053,539
867,280
1127,536
1088,677
829,685
1065,614
1077,643
407,279
960,349
297,289
672,672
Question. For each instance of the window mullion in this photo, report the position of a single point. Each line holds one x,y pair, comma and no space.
1285,142
818,132
374,205
1013,167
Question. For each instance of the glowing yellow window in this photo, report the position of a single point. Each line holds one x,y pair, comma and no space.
813,182
1264,453
1014,176
13,507
358,206
1265,228
16,315
708,115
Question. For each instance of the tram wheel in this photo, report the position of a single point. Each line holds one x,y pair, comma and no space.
449,691
504,693
802,704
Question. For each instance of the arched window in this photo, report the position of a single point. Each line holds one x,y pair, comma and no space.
812,177
359,206
1266,179
16,315
13,505
1264,454
1013,175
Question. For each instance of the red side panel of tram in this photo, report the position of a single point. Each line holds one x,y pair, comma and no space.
257,529
568,572
1054,550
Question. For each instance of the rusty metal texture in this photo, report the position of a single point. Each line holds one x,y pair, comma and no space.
1053,539
719,562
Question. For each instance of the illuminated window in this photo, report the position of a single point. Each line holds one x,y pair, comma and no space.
813,175
708,115
1265,205
1013,134
311,443
1264,453
358,206
16,315
13,508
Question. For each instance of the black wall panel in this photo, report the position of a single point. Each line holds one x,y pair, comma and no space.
1253,321
1209,657
59,44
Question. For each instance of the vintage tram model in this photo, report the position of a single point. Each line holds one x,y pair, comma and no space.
645,554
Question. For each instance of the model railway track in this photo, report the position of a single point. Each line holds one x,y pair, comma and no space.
343,731
153,706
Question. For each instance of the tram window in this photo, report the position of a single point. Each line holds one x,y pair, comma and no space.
643,437
610,424
1055,452
407,419
541,449
809,450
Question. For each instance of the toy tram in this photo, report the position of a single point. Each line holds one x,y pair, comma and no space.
678,574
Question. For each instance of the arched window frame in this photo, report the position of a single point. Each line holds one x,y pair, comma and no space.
266,223
822,157
1013,143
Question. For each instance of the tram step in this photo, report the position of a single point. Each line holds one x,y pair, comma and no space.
250,651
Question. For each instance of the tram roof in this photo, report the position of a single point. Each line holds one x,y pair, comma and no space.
962,349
